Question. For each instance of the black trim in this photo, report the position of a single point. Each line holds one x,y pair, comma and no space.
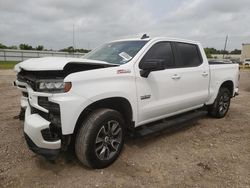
218,63
178,61
199,53
21,86
50,154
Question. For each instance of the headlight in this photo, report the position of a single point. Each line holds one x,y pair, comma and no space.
54,86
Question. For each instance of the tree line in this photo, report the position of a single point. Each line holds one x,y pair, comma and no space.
69,49
210,51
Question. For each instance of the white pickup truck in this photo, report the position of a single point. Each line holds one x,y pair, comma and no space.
94,101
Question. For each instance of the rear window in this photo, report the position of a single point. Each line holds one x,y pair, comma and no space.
189,54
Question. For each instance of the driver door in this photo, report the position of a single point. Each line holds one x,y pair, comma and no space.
159,93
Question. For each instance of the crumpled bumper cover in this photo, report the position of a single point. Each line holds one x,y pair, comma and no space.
50,154
33,127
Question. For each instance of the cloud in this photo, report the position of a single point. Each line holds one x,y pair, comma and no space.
51,22
210,22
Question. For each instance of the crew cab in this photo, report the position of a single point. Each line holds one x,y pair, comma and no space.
93,101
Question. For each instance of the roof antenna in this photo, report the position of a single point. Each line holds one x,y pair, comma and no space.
144,36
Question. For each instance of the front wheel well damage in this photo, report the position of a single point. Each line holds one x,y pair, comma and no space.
119,104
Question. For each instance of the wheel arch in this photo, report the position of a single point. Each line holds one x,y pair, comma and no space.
119,104
229,85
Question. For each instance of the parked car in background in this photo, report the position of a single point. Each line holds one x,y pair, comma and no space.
246,62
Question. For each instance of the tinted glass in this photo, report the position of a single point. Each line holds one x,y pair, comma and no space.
116,52
161,51
189,54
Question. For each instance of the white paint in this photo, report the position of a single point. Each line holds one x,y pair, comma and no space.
194,87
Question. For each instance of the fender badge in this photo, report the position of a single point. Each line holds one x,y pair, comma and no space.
145,97
123,71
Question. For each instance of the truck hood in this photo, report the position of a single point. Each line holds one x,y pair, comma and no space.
56,63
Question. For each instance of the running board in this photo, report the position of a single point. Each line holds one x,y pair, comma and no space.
169,122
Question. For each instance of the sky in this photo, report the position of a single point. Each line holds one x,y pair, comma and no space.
50,22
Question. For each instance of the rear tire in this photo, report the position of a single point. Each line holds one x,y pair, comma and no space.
221,104
100,139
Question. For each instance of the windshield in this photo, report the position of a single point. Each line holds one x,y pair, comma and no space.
116,52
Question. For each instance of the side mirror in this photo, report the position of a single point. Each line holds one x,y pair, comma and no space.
150,65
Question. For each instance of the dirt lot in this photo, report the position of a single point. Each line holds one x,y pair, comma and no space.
205,153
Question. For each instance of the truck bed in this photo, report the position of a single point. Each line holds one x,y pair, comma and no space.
220,72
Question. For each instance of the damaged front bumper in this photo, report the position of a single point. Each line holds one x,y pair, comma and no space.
49,119
24,98
50,154
42,126
37,131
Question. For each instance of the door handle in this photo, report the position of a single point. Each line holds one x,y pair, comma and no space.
204,74
176,77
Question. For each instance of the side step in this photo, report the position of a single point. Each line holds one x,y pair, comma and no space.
166,123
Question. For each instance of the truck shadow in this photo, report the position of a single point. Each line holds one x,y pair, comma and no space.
69,158
151,138
65,160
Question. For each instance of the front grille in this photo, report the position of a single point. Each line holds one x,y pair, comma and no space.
51,106
41,113
52,133
54,115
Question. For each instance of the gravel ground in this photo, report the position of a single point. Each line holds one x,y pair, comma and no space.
205,153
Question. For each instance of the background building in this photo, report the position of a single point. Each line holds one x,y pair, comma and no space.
245,53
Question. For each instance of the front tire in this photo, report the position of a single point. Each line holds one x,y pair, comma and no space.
100,139
221,104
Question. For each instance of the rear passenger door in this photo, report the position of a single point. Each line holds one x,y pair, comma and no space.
193,75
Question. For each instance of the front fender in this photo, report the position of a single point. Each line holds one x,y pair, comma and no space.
71,107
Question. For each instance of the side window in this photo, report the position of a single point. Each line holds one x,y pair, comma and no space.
161,51
189,54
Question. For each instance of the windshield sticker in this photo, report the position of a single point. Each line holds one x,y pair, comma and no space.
125,56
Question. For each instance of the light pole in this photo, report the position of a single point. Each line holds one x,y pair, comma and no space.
225,47
73,36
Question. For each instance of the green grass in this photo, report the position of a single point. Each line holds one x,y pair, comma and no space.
7,64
